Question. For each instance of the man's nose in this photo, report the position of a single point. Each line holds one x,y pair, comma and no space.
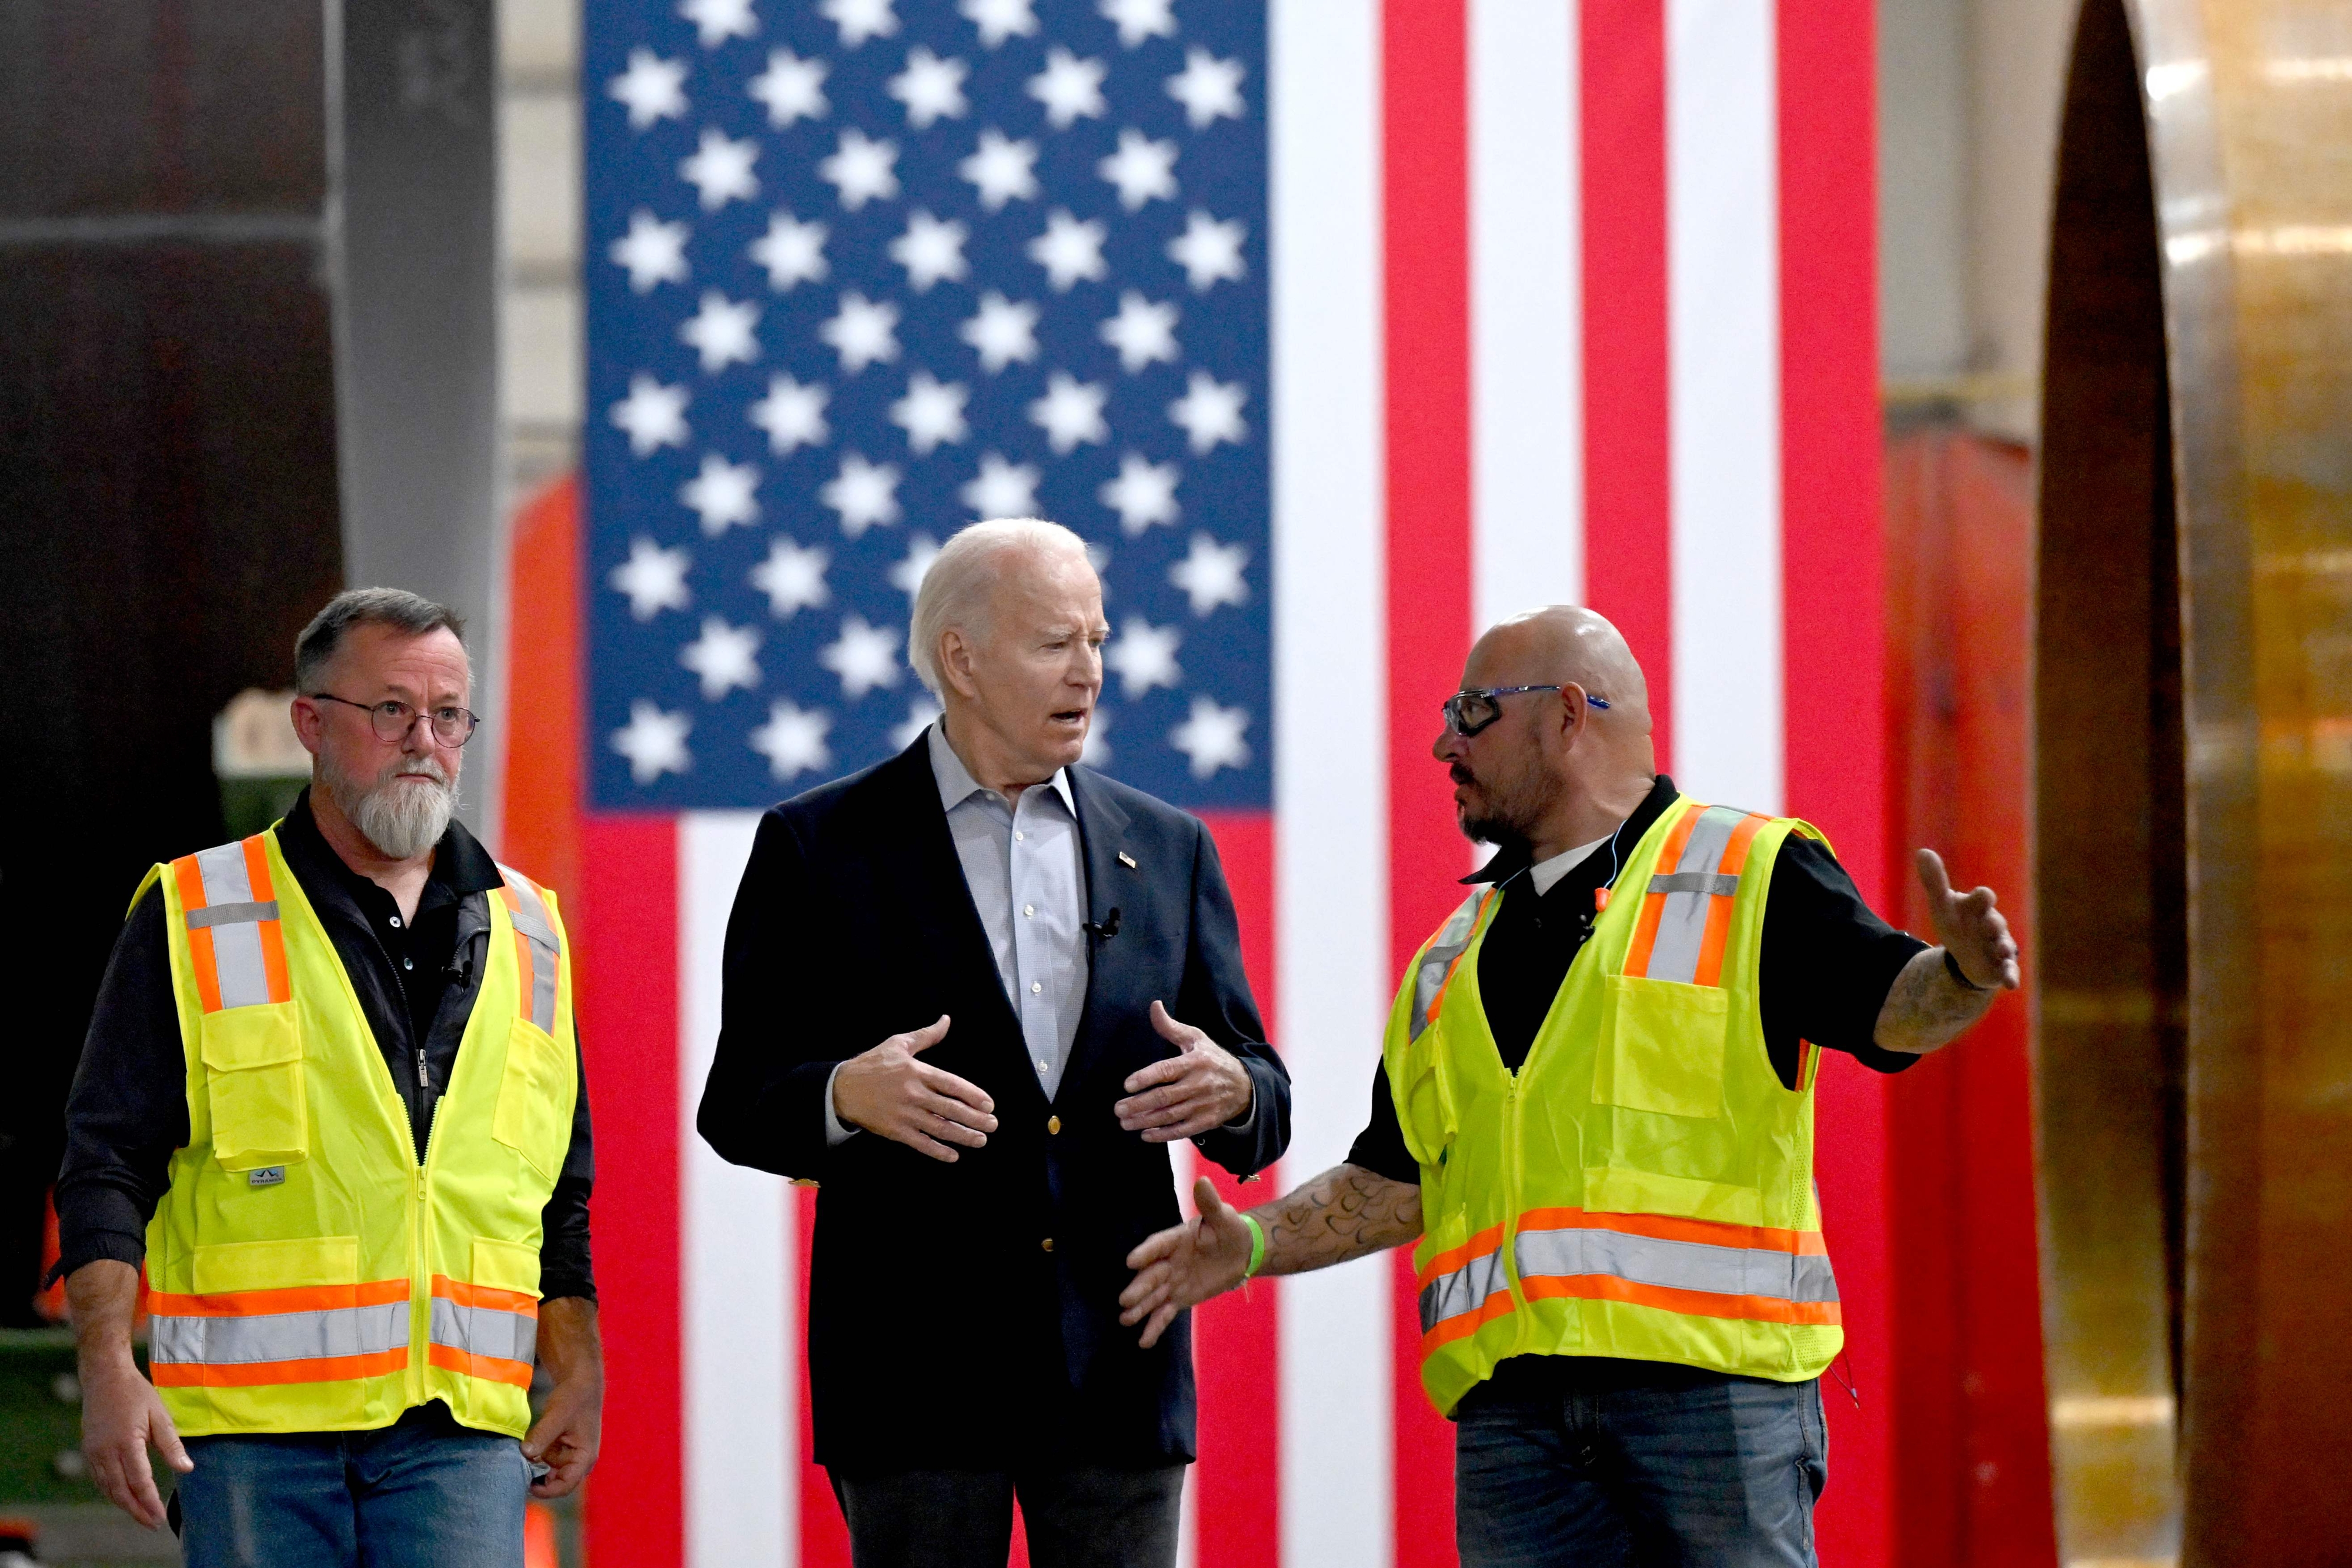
1448,747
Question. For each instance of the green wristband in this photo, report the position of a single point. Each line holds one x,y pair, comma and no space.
1258,1247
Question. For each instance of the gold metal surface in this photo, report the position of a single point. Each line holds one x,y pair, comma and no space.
2194,796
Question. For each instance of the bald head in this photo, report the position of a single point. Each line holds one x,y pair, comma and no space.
1561,644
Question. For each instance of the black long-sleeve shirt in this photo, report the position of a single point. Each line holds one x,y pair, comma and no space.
416,981
1827,964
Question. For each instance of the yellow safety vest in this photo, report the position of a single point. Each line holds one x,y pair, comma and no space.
306,1273
1642,1187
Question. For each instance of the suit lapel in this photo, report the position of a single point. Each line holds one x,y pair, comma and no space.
943,897
1102,835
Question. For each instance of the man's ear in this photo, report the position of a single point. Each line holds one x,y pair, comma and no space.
307,722
955,662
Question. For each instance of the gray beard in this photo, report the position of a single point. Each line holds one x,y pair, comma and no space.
401,821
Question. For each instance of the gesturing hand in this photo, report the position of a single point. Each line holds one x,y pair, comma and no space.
1184,1095
1971,929
886,1091
1185,1264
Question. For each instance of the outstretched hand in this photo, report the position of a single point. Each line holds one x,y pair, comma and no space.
1185,1265
1202,1087
889,1093
1970,927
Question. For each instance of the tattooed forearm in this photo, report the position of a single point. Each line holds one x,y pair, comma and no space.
1925,1008
1347,1212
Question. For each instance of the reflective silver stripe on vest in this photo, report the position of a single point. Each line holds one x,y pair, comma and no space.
1682,923
236,939
484,1330
531,919
1679,1265
1465,1290
1711,882
1453,937
278,1336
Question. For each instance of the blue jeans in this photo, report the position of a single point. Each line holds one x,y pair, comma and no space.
1602,1464
422,1492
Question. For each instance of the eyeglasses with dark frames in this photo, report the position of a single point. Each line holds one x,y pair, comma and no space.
393,718
1473,708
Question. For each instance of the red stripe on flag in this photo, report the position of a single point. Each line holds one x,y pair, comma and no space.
626,986
824,1535
1425,245
1237,1485
1833,663
1627,549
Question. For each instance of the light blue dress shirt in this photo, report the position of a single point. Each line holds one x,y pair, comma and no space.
1025,865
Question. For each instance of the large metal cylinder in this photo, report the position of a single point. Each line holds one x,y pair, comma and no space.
2194,789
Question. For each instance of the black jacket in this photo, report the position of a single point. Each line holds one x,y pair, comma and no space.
944,1331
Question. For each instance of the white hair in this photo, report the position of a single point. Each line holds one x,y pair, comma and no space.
961,580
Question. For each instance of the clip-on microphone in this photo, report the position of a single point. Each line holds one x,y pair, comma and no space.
1104,931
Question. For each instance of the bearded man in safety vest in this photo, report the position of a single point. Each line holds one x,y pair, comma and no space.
331,1097
1594,1113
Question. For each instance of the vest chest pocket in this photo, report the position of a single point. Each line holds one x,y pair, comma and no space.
1425,1109
1662,1047
253,1083
534,1111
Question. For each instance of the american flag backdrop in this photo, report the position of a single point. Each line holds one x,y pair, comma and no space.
1339,329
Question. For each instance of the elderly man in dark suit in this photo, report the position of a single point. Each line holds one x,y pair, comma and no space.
975,992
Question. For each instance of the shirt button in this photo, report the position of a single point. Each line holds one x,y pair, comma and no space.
408,963
1052,1125
1020,838
1035,987
1047,1244
1028,909
395,923
1041,1067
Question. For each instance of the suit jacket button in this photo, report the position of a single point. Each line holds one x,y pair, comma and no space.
1047,1244
1052,1123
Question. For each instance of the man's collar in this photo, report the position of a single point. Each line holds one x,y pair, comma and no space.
460,863
957,785
1511,859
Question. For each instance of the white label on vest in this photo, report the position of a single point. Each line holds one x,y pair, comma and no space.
267,1175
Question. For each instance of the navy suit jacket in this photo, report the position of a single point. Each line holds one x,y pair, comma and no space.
965,1315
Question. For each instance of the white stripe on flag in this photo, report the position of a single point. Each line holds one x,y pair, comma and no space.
1723,251
1526,435
1330,835
740,1351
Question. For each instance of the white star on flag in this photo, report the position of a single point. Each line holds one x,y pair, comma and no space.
1069,250
793,740
1002,489
792,251
792,414
929,250
922,714
1212,737
1143,169
720,170
1094,751
862,332
793,578
654,741
1143,494
866,657
1000,19
654,252
1069,87
861,169
722,495
1003,331
1207,87
931,88
652,414
1208,250
865,494
721,332
1142,333
652,87
1139,19
1212,574
791,88
1070,412
1001,170
716,21
860,19
932,414
1210,412
1144,657
723,657
653,578
908,575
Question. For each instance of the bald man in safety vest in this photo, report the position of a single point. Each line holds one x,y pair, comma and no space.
1595,1115
331,1099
